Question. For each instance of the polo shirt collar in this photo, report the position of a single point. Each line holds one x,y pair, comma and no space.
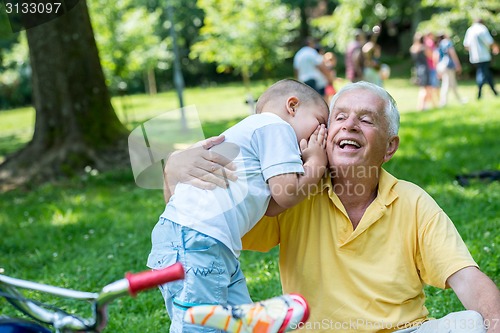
385,193
385,197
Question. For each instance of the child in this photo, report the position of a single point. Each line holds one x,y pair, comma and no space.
202,229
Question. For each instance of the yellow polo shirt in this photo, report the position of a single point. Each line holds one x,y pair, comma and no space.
370,279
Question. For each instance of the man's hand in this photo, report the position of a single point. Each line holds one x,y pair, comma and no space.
199,167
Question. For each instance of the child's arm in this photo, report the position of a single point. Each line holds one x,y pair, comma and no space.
289,189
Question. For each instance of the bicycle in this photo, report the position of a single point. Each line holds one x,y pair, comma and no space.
44,316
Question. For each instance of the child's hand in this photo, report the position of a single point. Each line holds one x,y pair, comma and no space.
314,150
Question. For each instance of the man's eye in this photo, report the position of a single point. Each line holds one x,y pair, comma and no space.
366,121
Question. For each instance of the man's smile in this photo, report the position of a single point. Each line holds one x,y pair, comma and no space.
349,144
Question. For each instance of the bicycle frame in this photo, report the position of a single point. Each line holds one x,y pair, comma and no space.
61,321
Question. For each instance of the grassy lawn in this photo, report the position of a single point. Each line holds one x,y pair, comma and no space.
88,231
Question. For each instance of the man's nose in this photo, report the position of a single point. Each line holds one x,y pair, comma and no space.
350,124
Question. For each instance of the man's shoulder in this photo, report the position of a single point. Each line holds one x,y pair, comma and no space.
408,188
446,44
306,52
478,28
414,195
391,187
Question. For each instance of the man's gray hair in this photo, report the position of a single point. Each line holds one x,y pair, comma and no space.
391,109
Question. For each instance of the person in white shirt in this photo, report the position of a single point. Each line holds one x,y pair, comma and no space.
309,67
478,41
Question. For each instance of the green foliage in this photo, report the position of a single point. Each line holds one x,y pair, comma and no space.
244,35
6,35
337,28
15,74
125,35
454,18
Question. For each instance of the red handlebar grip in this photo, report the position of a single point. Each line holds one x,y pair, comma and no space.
150,279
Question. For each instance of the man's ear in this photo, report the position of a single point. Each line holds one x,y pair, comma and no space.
291,105
392,146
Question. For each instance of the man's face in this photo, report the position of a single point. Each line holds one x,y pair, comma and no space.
357,133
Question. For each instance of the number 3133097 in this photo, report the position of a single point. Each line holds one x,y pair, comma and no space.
32,8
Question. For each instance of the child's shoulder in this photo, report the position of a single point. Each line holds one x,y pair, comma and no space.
256,122
261,119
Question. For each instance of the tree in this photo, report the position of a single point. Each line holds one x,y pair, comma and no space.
309,9
244,35
127,40
75,122
348,15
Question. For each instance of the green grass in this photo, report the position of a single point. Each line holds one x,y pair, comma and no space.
87,231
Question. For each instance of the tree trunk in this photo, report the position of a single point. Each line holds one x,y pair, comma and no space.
304,21
250,100
75,122
151,81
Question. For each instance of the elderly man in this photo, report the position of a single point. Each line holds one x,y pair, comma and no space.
361,249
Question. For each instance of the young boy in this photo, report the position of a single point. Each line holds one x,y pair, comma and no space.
202,229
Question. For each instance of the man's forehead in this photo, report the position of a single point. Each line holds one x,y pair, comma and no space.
360,100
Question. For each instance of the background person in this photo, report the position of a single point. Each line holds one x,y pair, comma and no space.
330,60
430,44
420,53
448,65
371,58
478,41
309,67
354,63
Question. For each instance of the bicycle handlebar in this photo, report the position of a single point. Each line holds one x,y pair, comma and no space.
150,279
131,284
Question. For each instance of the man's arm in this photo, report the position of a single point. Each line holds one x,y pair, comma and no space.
263,236
327,73
287,190
495,49
478,292
197,166
273,209
358,61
